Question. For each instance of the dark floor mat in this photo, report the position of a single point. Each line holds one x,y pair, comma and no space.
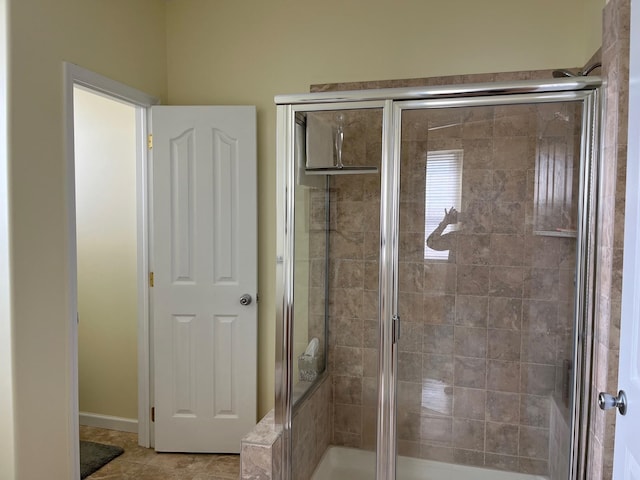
94,456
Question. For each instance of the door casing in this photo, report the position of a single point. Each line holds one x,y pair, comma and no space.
75,75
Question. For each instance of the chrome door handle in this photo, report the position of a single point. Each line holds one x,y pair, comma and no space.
245,299
606,401
339,140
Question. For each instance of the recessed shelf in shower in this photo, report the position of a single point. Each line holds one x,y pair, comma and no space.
340,171
324,140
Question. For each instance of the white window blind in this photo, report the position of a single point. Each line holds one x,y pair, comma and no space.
443,190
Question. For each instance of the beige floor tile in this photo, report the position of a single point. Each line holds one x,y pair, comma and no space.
145,464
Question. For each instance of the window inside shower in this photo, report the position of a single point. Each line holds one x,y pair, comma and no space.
443,192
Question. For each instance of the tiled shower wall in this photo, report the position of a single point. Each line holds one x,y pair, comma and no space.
311,431
615,72
480,354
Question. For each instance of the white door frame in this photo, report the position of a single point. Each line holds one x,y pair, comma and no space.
78,76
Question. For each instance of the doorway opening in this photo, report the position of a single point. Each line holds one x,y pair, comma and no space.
106,240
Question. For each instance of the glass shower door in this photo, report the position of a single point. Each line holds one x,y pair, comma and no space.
444,248
488,218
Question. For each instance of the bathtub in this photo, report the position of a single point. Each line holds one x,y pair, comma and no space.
341,463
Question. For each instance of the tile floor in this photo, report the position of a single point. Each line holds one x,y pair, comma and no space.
145,464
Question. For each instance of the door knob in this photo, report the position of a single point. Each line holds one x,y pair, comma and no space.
606,401
245,299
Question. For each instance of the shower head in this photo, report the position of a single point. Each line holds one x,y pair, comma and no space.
590,68
562,73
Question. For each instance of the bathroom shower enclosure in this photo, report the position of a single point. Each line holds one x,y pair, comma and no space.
435,278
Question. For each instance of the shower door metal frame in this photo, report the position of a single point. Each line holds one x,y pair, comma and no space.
285,201
584,302
394,101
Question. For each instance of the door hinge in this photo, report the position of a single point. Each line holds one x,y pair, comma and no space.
150,141
151,279
153,414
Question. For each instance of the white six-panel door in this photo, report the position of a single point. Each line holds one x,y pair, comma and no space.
627,444
204,258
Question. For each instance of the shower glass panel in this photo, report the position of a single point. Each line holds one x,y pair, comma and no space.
335,282
487,258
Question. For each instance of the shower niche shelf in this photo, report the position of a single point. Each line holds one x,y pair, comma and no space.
556,233
344,170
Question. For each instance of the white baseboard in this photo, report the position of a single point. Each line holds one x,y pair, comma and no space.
110,422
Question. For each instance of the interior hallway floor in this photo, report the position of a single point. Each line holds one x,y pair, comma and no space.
145,464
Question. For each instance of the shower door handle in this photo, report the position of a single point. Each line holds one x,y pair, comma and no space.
606,401
395,329
338,141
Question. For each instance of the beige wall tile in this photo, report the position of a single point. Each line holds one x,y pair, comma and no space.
534,442
537,379
502,438
502,407
503,376
503,345
437,430
469,372
469,403
505,313
468,434
534,410
438,339
471,310
439,309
